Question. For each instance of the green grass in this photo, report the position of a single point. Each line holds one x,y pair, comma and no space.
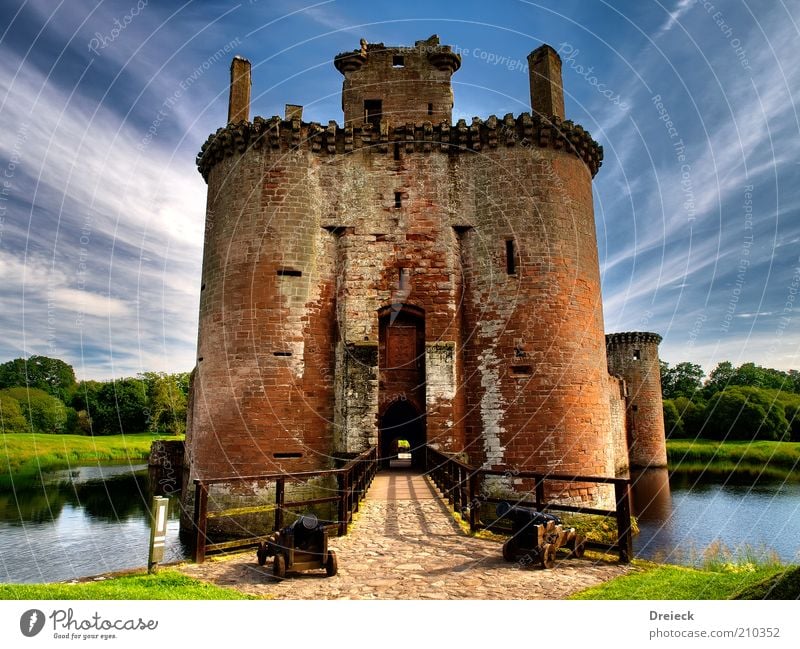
166,584
784,585
25,454
676,582
762,458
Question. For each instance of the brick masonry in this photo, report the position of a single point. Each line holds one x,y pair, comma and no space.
332,253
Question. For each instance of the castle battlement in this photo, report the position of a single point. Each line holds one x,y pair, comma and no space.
524,130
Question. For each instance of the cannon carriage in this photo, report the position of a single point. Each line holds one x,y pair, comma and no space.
538,535
301,546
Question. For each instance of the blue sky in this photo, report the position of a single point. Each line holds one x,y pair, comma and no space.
104,106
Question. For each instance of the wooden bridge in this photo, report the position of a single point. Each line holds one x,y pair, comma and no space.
444,480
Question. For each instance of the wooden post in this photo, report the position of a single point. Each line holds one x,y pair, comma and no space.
474,506
279,500
540,493
342,515
624,537
200,520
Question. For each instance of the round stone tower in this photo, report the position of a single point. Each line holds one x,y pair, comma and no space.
633,356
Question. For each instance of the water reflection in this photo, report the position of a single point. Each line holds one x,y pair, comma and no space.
76,523
681,516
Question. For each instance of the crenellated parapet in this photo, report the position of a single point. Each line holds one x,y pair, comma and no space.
525,130
633,337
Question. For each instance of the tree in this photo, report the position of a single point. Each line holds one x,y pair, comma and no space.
43,412
52,375
11,418
692,415
167,402
719,379
672,420
745,413
683,380
120,407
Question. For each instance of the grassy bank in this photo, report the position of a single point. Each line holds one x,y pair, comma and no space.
25,454
762,458
166,584
677,582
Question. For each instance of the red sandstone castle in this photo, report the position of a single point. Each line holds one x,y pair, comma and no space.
399,276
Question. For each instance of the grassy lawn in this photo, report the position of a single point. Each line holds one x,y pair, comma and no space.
166,584
770,459
25,454
677,582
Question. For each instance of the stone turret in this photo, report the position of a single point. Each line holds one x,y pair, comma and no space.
634,357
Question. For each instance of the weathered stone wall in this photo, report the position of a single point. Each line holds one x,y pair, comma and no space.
535,356
619,430
634,356
412,83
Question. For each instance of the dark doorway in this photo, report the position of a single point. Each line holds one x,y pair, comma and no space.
401,381
402,436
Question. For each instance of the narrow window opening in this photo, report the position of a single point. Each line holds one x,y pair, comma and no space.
289,272
398,199
287,456
281,353
521,370
637,355
372,111
430,109
398,61
202,287
403,277
635,408
396,150
511,262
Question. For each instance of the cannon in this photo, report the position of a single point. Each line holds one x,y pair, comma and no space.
538,535
301,546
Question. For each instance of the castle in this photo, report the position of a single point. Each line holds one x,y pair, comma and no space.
403,277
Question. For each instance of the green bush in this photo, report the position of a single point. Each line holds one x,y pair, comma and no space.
673,425
692,416
745,413
11,418
44,413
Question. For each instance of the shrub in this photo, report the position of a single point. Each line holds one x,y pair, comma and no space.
44,413
672,419
745,413
11,418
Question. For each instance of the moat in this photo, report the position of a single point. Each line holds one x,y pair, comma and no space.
93,520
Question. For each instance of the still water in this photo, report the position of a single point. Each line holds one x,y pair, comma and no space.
680,516
78,523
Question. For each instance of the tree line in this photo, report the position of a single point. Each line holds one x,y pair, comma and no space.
40,394
748,402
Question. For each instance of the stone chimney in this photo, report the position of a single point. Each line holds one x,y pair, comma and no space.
292,112
239,98
547,93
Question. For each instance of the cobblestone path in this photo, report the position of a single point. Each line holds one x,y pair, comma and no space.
405,544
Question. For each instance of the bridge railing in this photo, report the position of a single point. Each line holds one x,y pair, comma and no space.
462,485
352,481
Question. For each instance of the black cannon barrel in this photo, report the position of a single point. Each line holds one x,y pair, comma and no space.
521,516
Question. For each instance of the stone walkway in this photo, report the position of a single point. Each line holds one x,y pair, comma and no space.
405,544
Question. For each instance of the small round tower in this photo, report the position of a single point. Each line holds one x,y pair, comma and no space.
633,355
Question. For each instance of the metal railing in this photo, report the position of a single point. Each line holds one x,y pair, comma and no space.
353,480
462,485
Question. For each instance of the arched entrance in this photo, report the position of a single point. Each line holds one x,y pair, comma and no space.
402,436
401,382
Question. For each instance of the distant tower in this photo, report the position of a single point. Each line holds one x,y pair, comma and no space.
634,356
